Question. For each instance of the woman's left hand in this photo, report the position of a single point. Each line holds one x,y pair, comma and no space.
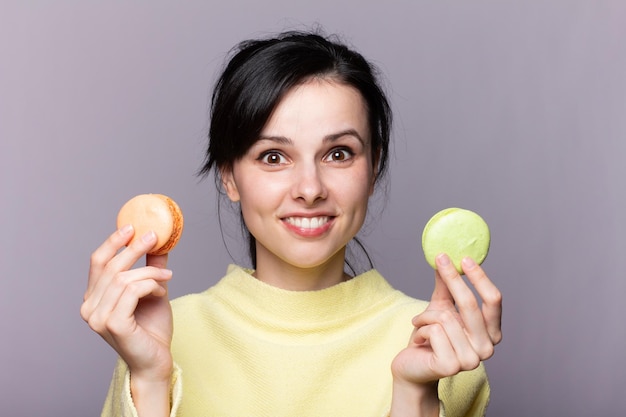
456,331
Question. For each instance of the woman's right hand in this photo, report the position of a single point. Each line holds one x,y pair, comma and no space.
129,308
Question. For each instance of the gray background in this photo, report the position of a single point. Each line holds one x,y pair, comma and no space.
514,109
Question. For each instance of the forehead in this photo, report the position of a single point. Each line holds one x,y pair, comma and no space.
319,106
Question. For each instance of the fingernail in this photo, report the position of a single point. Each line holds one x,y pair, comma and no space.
443,259
126,229
166,273
149,237
468,262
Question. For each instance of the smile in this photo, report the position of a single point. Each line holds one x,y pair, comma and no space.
307,222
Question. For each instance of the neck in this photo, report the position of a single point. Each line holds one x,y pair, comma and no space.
278,273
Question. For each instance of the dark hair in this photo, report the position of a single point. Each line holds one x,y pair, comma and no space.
259,75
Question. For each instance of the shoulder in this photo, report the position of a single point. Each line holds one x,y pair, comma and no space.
189,301
195,303
381,286
389,304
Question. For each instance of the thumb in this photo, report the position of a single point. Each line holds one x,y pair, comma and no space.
158,261
441,292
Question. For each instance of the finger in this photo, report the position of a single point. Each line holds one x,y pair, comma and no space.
96,310
119,327
102,275
105,252
444,360
121,320
466,356
441,292
450,284
133,252
468,307
131,278
491,296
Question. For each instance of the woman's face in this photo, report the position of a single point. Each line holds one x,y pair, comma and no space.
305,184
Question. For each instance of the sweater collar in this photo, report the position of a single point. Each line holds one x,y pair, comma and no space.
287,309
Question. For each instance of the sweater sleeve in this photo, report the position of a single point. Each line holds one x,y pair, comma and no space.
119,401
465,394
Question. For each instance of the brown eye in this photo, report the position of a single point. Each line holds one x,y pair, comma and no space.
339,155
272,158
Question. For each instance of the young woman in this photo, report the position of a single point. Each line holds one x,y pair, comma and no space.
299,139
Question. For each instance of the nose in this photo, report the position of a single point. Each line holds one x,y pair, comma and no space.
308,184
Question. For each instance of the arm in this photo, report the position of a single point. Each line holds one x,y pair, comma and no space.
129,308
120,401
151,398
410,400
454,334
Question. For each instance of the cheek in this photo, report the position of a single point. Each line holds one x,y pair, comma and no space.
250,200
260,196
355,190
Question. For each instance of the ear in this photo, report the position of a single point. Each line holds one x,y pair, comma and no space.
228,182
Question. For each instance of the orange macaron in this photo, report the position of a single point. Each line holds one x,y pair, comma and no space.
157,213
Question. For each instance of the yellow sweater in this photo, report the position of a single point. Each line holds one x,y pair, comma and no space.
244,348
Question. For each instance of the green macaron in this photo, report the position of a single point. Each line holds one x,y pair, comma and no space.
458,233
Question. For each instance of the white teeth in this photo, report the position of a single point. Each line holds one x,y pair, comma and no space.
307,222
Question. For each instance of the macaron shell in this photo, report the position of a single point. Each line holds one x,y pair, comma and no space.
177,228
458,233
148,212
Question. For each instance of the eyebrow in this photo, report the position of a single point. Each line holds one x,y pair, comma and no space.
329,138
